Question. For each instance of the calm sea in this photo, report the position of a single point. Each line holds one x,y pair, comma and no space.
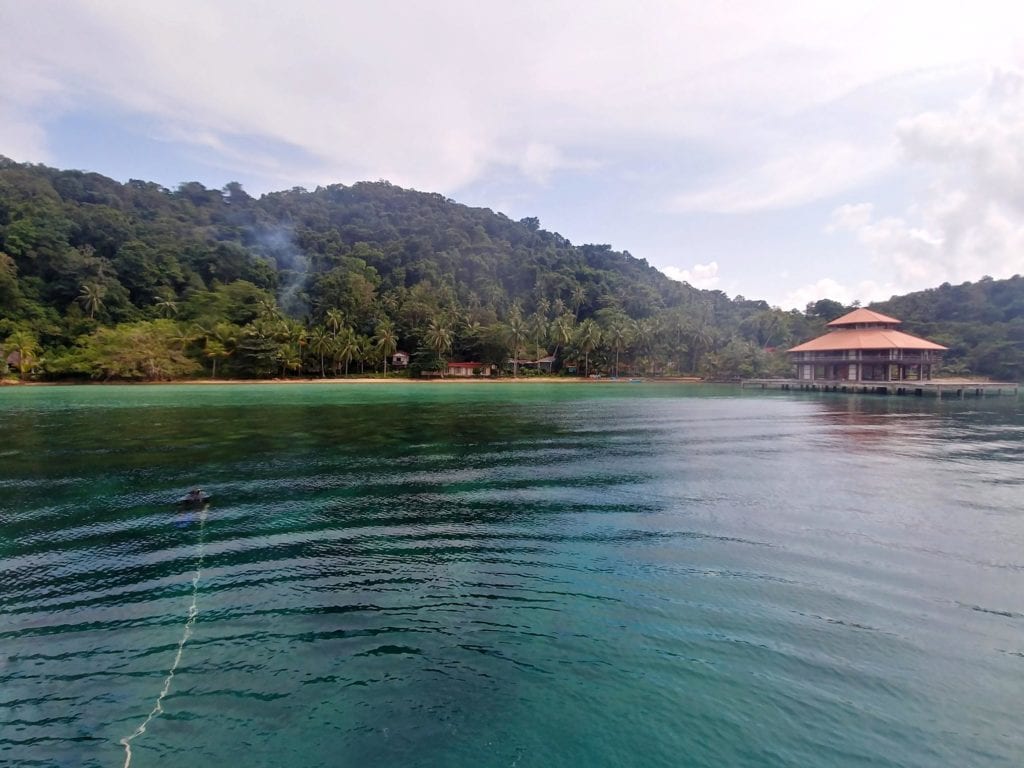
484,575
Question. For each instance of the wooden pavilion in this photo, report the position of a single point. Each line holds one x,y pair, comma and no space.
865,346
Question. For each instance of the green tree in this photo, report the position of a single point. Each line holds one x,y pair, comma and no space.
618,337
538,330
24,344
167,306
91,298
219,343
517,332
439,338
385,342
346,348
149,350
579,296
588,337
563,329
321,343
335,320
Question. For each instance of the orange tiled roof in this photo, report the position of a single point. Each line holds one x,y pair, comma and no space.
865,338
861,316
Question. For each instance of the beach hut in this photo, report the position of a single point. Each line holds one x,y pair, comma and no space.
468,369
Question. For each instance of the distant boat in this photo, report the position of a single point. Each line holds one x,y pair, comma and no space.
194,498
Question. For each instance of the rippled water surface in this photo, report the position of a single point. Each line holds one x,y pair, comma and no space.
486,575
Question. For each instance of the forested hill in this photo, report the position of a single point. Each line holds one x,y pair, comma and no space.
307,281
982,323
107,280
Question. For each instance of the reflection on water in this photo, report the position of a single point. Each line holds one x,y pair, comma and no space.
486,575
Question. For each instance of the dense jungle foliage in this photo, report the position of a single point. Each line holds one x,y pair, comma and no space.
105,280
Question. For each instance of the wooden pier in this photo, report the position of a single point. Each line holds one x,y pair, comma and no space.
935,387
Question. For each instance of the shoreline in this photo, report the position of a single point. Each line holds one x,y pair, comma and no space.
361,380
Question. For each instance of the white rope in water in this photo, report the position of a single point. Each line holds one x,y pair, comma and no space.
193,611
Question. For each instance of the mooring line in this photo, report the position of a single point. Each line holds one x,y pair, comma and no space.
193,611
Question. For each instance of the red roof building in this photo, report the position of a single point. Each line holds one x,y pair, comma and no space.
866,346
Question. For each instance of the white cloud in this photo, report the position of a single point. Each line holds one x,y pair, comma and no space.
968,220
26,94
703,276
801,176
744,108
864,291
436,95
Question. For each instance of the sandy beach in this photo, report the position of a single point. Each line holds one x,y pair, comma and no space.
371,380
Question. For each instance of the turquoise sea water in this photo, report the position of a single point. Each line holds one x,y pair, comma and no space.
487,575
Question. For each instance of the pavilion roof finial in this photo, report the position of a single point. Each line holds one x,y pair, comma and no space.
861,316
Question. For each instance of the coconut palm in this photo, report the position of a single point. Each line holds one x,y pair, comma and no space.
91,298
588,336
220,343
334,320
517,333
578,297
643,337
538,333
346,348
25,345
320,342
618,337
385,342
439,337
268,310
562,330
291,337
700,340
167,306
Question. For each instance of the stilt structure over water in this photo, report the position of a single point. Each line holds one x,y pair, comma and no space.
865,346
865,352
937,387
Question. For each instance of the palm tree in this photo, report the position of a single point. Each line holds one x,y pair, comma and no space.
439,338
346,348
643,336
291,337
618,337
701,339
578,297
588,336
268,310
562,330
320,342
26,345
221,341
91,298
385,341
363,347
334,320
517,334
167,306
538,332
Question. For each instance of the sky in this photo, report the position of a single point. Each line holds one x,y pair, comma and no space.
786,151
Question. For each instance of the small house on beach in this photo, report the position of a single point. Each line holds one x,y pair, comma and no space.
865,346
468,369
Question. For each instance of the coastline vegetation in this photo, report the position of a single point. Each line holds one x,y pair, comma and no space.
108,281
